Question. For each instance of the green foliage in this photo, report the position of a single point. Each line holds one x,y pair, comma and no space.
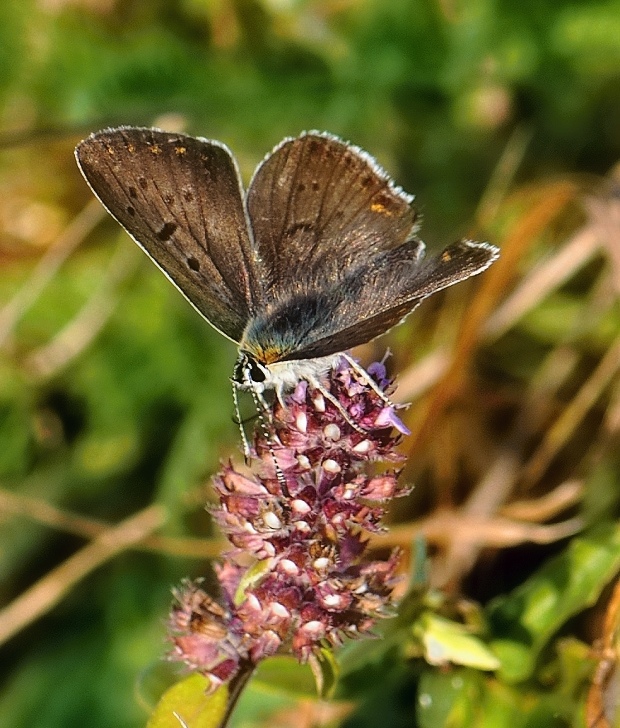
519,677
187,701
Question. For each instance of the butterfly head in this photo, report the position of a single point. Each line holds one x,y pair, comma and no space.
249,374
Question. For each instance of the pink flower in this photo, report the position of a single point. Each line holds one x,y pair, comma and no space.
309,584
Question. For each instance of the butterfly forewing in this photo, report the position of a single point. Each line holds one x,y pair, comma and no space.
180,199
319,208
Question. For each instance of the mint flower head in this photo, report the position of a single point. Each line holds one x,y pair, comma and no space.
295,578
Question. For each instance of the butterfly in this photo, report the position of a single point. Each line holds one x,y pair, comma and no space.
320,254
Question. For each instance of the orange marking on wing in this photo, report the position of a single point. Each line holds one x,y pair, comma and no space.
379,208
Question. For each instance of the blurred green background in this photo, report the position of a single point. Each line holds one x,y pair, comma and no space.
113,392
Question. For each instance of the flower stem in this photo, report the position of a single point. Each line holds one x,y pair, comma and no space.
235,688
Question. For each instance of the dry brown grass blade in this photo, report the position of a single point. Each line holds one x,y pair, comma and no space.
42,512
604,212
560,432
503,475
601,230
543,280
566,495
552,201
503,176
549,275
49,590
611,424
601,707
497,532
422,375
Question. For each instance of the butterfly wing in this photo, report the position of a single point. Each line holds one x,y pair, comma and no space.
383,292
319,207
180,199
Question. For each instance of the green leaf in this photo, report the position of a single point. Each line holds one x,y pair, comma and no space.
286,675
252,576
447,641
463,698
277,686
447,699
525,620
326,670
186,705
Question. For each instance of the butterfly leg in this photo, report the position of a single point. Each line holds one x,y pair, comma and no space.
367,379
266,424
244,438
315,384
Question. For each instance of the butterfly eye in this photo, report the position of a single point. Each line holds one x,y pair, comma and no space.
256,372
248,371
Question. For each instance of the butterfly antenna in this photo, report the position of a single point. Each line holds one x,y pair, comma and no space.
266,424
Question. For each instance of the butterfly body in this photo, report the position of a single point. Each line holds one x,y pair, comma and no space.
251,374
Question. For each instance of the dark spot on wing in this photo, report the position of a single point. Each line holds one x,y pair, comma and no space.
143,182
193,264
167,232
188,195
132,192
130,210
315,185
301,187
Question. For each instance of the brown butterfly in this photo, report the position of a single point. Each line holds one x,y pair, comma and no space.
319,255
